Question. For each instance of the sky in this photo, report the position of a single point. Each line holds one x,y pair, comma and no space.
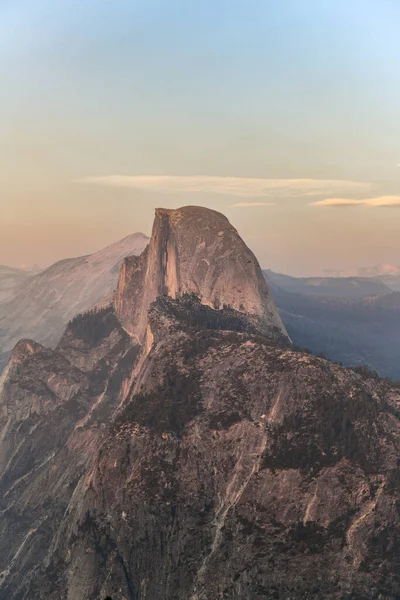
282,115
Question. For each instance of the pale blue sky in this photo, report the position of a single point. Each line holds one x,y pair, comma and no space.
253,88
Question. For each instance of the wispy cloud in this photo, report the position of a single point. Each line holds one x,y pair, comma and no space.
245,187
379,201
251,204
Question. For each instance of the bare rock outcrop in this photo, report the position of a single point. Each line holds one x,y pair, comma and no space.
194,250
219,463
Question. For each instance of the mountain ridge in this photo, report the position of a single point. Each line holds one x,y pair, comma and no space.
213,460
347,327
64,289
339,287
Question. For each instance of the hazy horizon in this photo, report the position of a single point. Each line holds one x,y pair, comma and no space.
284,117
361,271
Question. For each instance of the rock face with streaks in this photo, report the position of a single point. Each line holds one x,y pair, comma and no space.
194,250
196,456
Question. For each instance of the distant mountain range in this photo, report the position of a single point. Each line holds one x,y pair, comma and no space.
40,305
351,320
388,274
335,287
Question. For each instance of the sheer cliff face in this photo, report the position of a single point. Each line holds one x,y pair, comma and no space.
194,251
210,463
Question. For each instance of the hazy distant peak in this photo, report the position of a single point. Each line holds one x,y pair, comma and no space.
386,273
130,245
39,306
335,287
377,270
5,270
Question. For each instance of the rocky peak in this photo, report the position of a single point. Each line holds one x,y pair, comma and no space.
194,250
213,464
23,349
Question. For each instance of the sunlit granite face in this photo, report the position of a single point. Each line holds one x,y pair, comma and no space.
194,250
